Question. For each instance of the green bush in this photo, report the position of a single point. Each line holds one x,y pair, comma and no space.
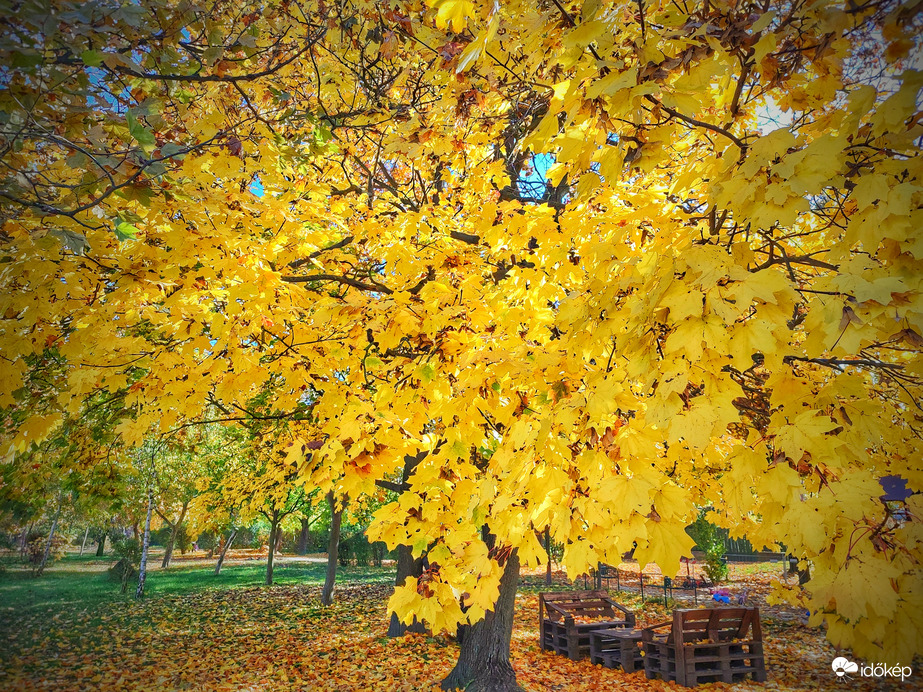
716,568
128,550
356,550
160,536
183,541
316,541
710,540
9,540
207,541
249,538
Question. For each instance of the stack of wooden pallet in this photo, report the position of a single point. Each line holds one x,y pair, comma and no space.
709,645
567,618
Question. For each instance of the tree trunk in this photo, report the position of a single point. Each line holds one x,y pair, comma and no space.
101,547
333,545
174,530
273,537
145,543
548,550
24,541
407,566
484,657
54,525
168,552
304,536
279,535
84,544
224,551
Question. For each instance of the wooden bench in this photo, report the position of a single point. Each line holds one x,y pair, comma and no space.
706,645
567,618
616,647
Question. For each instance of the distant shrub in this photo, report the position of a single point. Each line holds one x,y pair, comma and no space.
35,552
9,540
248,538
716,568
183,541
356,550
206,541
128,550
709,540
160,536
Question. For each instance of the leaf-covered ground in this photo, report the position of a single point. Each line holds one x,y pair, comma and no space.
280,638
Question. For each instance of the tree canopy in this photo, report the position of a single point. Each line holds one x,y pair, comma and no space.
607,262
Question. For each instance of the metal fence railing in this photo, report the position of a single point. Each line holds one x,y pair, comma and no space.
655,586
649,586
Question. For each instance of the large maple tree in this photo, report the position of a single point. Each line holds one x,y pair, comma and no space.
606,262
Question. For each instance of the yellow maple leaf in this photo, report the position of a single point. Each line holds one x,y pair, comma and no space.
454,13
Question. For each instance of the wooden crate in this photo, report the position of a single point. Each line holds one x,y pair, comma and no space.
707,645
561,631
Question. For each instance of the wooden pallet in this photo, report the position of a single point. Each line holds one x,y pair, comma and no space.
616,648
559,631
708,645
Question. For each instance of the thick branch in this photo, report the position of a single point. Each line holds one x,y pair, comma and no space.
112,189
121,69
465,237
393,487
346,280
699,123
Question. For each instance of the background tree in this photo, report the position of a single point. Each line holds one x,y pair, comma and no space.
260,481
337,508
177,480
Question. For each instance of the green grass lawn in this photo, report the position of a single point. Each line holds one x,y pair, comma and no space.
72,629
82,581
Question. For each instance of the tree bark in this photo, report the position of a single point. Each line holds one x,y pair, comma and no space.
333,546
174,530
84,544
804,576
273,537
145,543
24,541
54,525
407,566
304,536
548,550
224,551
101,547
484,657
